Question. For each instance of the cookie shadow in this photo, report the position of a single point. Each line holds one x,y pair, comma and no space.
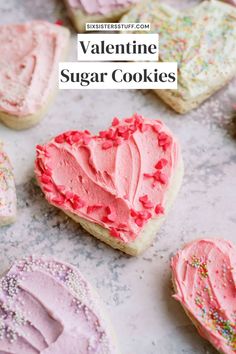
184,338
231,128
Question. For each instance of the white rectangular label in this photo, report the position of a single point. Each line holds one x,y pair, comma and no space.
117,47
131,75
120,26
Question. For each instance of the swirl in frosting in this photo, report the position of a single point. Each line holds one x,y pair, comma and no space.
204,277
30,53
117,179
47,307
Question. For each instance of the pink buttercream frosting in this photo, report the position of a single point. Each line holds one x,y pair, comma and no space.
204,275
103,7
7,189
29,58
117,179
47,307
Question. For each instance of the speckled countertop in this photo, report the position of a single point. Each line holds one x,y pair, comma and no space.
137,291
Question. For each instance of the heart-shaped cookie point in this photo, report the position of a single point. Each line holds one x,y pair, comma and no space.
202,40
7,190
204,279
30,54
83,11
118,184
48,307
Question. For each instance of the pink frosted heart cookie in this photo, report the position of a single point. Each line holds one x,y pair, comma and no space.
47,307
83,11
30,54
118,184
7,191
204,278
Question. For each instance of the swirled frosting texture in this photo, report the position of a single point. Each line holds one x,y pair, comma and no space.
29,56
7,190
117,179
201,40
204,276
47,307
102,7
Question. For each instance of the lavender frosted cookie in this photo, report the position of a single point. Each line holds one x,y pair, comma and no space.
7,190
47,307
83,11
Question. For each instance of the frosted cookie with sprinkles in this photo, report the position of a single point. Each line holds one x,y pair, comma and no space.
201,40
204,278
118,185
29,57
83,11
47,307
7,190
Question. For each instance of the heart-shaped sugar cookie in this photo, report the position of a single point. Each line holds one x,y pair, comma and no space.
7,190
47,307
202,40
204,278
119,184
30,54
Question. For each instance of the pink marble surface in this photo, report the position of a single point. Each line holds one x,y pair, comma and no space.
137,291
